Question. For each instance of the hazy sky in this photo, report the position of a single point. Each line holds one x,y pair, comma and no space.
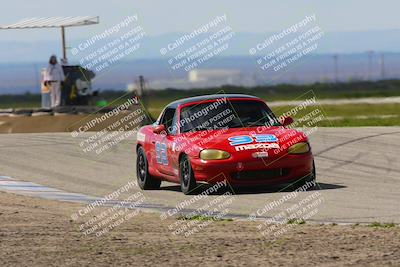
160,16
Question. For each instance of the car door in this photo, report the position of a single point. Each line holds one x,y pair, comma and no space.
163,143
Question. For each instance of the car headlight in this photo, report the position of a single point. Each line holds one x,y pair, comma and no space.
299,148
208,154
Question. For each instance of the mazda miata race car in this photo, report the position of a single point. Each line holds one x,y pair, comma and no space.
230,138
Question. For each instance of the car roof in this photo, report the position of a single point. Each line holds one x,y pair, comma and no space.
179,102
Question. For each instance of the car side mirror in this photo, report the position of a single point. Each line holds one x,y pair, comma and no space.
287,120
157,129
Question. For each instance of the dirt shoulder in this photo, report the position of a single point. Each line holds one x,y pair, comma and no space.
38,232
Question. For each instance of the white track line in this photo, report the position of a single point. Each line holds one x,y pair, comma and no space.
8,184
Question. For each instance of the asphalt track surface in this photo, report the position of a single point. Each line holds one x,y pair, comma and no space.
358,173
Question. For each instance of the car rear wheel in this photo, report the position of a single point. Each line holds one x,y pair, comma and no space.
188,182
145,180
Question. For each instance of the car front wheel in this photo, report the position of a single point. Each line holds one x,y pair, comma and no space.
188,182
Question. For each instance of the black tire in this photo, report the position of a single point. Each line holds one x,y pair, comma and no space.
145,180
311,178
188,182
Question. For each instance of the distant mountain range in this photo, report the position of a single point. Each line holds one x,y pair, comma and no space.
24,77
20,62
332,42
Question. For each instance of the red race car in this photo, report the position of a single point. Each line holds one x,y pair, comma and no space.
230,138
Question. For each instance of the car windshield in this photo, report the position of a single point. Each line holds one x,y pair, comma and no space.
226,114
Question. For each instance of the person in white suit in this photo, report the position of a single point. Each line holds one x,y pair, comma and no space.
54,76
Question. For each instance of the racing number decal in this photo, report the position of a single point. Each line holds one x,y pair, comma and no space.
240,140
161,153
246,139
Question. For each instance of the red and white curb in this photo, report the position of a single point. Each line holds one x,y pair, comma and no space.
8,184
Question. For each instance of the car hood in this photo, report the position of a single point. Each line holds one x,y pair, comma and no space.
223,139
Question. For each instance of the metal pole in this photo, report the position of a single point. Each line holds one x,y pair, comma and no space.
370,65
335,67
64,49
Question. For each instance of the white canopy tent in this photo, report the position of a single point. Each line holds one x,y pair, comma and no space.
53,22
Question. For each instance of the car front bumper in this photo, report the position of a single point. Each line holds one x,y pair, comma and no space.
252,172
